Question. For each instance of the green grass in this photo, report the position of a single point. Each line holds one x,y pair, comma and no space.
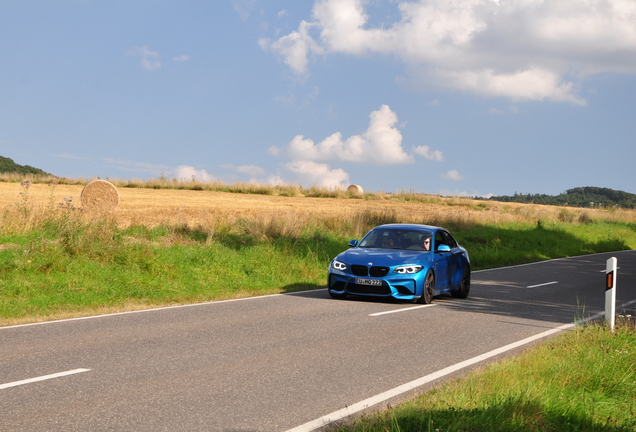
583,380
80,266
65,264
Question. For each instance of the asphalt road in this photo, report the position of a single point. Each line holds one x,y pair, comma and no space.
278,362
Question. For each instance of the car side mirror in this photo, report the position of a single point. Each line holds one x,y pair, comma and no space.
353,243
443,248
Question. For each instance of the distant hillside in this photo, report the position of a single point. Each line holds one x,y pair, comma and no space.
578,197
8,166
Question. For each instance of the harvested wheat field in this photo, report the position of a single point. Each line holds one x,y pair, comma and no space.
207,209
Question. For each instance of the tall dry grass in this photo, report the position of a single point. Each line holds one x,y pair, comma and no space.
263,215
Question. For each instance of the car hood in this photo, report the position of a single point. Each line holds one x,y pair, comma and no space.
384,257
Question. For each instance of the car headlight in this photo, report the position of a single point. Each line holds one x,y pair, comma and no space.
338,265
408,269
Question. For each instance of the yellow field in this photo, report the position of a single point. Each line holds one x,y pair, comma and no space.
208,209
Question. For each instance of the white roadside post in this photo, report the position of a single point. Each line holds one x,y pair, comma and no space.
610,292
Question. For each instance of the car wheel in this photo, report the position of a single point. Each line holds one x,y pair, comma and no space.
338,296
464,286
429,289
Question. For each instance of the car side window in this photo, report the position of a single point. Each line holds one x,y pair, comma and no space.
439,239
449,240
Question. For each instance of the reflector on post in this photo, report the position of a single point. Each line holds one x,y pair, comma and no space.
610,292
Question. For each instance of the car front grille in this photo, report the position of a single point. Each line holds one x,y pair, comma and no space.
378,271
359,270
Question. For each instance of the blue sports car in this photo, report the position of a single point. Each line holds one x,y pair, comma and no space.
402,261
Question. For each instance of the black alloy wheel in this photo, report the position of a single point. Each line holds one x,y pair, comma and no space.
429,289
464,286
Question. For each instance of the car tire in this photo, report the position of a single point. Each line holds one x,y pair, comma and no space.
464,286
337,296
429,289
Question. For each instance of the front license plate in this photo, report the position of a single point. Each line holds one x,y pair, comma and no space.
375,282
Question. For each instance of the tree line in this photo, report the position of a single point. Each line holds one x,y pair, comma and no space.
8,166
592,197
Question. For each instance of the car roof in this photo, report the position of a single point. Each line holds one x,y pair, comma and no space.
417,227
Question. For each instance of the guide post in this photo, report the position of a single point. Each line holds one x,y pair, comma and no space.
610,292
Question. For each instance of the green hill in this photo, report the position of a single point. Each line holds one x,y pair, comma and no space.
589,196
8,166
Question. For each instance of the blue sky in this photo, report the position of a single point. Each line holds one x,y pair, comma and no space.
451,97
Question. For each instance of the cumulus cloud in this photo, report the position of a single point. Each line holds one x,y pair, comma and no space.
452,175
294,47
181,58
381,143
318,174
149,59
188,173
524,50
425,151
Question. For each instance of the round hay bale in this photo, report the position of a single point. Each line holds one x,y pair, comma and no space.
355,190
100,195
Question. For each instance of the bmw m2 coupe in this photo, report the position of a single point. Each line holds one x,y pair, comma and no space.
404,262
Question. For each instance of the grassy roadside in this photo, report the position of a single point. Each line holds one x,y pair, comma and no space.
63,262
583,381
67,266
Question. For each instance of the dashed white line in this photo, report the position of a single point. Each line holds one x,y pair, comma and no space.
42,378
543,284
400,310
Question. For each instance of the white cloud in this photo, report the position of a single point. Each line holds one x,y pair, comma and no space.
188,173
523,50
243,7
181,58
381,143
294,47
310,173
452,175
149,59
533,84
425,151
275,180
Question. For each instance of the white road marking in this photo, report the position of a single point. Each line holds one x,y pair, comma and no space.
42,378
543,284
401,310
382,397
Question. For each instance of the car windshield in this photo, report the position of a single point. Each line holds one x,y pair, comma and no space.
397,239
